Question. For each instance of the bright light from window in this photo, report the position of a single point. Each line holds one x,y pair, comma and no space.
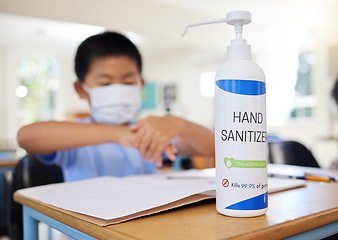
134,37
69,31
207,80
21,91
282,69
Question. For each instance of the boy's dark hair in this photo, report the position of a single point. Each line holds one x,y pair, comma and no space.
104,45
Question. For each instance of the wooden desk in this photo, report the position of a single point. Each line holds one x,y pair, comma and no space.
4,163
290,212
7,164
8,159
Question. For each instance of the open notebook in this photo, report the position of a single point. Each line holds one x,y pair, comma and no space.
111,200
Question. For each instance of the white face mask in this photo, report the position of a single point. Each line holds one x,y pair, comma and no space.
114,104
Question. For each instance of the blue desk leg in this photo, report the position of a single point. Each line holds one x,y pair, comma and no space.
30,226
177,163
7,169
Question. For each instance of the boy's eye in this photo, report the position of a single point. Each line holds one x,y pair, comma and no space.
104,84
130,79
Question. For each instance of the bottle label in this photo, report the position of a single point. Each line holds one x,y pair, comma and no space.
241,147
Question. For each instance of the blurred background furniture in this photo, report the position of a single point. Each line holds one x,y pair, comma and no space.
29,172
8,160
200,162
280,152
291,153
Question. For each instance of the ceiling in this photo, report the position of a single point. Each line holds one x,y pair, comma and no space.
155,25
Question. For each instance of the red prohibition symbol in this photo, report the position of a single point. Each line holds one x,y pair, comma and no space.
225,183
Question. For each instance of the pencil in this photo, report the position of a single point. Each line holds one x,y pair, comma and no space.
310,177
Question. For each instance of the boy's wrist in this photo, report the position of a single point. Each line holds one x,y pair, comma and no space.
181,124
122,135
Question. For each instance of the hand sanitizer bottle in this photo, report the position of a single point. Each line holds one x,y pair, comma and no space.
240,127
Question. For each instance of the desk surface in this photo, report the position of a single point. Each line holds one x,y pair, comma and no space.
8,159
290,212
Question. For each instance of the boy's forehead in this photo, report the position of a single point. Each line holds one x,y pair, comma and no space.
120,60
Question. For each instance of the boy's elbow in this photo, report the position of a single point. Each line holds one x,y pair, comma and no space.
209,153
210,148
23,137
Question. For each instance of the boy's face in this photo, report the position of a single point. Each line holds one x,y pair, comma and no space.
107,71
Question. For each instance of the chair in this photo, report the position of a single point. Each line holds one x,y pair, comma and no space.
291,153
29,172
3,206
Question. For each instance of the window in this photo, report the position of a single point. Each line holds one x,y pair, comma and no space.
38,84
207,84
287,61
304,101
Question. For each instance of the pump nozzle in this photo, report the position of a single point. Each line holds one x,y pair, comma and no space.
194,24
235,18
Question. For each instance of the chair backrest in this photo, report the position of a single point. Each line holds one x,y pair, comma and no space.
29,172
291,153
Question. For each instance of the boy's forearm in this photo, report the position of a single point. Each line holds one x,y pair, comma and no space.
49,137
195,139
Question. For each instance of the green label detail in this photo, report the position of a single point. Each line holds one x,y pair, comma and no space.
232,163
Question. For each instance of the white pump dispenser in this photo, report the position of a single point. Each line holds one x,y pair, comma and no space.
240,127
239,49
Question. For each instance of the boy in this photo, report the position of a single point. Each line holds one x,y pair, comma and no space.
108,67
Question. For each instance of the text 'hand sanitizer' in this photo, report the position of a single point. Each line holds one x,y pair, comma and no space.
240,127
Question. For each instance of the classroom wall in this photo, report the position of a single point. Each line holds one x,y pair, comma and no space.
8,101
70,101
3,122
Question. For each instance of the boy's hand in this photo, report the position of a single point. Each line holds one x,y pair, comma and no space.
154,136
127,139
